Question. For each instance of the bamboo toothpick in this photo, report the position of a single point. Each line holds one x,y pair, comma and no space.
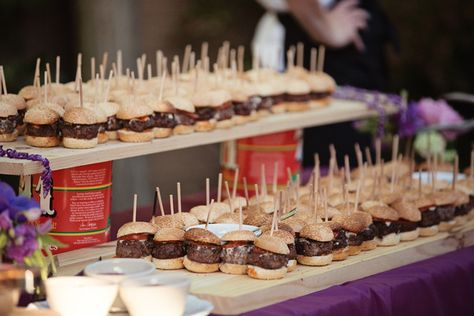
236,183
58,69
347,169
395,148
246,191
314,56
4,84
275,177
240,215
356,203
322,53
209,213
178,188
134,214
240,59
288,172
455,171
378,151
419,182
207,191
299,54
257,196
219,187
229,197
172,209
368,156
325,193
160,201
263,181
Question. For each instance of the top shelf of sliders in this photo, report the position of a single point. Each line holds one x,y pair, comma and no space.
62,158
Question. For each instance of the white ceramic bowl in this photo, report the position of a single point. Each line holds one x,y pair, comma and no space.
79,296
221,229
117,270
163,294
440,176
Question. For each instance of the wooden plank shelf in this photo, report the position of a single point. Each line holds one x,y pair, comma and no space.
232,294
61,158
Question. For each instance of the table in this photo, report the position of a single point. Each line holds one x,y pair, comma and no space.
443,285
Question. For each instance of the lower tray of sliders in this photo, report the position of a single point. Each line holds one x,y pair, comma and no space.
233,294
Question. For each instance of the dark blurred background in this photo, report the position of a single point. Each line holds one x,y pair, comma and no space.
436,37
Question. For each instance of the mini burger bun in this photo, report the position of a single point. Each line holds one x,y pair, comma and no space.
272,244
130,111
136,228
296,224
266,274
205,126
239,235
15,100
112,135
162,132
281,226
41,115
340,254
410,235
161,107
407,210
258,219
187,218
369,244
287,237
7,109
389,240
183,129
43,142
168,264
354,250
11,137
383,212
315,261
198,267
317,232
202,235
228,218
180,103
80,115
129,136
213,98
169,234
109,108
225,124
279,108
78,143
231,268
429,231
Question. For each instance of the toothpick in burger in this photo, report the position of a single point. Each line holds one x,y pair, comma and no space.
168,251
20,105
289,239
385,220
135,240
112,125
185,115
314,246
203,250
42,127
297,95
445,201
235,251
136,121
410,216
8,119
268,259
79,128
429,224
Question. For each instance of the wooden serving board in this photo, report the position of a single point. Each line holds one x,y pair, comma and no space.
61,158
237,294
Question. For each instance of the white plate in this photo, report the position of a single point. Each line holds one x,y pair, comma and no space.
440,176
194,307
221,229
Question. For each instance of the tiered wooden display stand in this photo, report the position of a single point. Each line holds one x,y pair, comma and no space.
236,294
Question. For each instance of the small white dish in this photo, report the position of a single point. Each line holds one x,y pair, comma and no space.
161,293
79,296
443,176
117,270
221,229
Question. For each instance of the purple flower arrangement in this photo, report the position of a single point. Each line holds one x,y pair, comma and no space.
23,240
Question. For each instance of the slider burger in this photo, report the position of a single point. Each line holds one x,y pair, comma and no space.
42,127
135,240
264,92
20,105
258,218
245,105
445,208
185,115
289,238
163,116
429,224
268,259
314,246
213,107
136,122
168,249
340,246
356,226
322,86
462,206
279,86
101,119
467,187
8,119
235,251
385,220
297,95
79,128
112,125
410,216
203,250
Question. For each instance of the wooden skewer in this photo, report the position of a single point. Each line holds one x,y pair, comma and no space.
229,197
4,84
119,63
395,148
246,191
92,68
105,58
455,171
322,53
204,49
299,54
333,154
314,56
134,214
263,181
207,191
178,185
160,201
172,209
45,87
368,156
236,183
209,213
257,196
275,177
58,69
240,59
240,215
275,213
149,73
325,193
435,171
378,151
347,169
219,187
357,195
187,53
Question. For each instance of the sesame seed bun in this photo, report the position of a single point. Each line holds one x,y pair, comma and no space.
198,267
109,108
100,115
287,237
407,210
42,142
29,92
201,211
231,268
129,136
187,218
281,226
183,129
7,109
297,87
296,224
444,198
169,234
317,261
355,222
41,115
228,218
205,126
389,240
15,100
429,231
168,264
202,235
380,210
136,228
77,143
181,103
369,244
130,111
258,219
317,232
10,137
212,98
410,235
272,244
167,221
80,115
239,235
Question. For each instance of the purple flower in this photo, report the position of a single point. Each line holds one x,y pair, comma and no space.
439,112
19,252
410,121
5,221
44,227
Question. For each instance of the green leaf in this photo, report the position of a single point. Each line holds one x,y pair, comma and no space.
48,240
3,240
